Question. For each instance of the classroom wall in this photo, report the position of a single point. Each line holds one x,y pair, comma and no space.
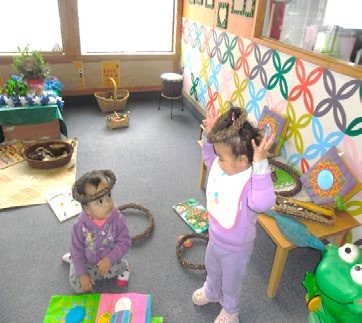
223,67
134,75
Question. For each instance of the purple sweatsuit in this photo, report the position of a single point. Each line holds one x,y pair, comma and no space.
90,243
229,249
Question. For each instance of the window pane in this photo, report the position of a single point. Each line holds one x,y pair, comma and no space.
34,22
114,26
316,25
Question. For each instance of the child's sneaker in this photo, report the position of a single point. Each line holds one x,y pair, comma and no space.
67,258
225,317
199,297
122,279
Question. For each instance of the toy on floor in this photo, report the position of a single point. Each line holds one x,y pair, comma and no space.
147,213
334,292
187,238
101,308
194,214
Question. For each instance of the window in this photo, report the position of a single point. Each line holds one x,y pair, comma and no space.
114,26
313,30
34,22
89,27
315,25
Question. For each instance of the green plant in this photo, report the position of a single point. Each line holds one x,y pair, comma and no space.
30,64
15,86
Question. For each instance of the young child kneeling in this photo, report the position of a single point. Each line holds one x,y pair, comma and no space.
100,237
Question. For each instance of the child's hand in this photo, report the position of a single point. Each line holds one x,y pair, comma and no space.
211,117
104,265
86,282
261,152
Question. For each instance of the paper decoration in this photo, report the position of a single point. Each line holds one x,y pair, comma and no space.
90,308
276,124
110,69
329,181
222,15
79,66
62,203
194,214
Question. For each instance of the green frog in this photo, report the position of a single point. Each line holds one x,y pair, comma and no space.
334,291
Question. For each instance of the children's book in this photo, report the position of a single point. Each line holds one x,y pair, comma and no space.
330,181
90,308
69,308
194,214
273,123
62,203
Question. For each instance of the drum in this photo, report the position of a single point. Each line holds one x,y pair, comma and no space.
171,85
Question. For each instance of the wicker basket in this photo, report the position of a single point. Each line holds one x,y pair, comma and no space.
112,101
117,120
52,146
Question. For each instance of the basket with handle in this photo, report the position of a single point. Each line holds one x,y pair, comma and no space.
112,101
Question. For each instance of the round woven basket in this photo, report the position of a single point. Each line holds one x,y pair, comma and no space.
61,161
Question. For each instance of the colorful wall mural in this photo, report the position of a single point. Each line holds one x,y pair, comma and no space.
324,108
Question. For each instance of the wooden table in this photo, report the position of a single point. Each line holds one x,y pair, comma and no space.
31,119
339,231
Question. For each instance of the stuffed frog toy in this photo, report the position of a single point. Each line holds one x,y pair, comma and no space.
334,291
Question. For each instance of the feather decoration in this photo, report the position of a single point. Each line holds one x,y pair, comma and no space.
296,232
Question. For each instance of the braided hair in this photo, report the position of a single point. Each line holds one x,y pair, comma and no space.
233,128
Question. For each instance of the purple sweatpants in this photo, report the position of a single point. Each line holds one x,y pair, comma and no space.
225,272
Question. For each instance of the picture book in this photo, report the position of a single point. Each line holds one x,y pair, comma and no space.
194,214
330,180
64,308
62,203
90,308
273,123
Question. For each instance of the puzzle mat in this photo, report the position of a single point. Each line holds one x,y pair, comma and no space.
22,185
11,154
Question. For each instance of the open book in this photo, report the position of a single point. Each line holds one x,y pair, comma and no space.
62,203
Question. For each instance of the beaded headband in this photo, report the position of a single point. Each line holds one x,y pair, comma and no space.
83,199
216,135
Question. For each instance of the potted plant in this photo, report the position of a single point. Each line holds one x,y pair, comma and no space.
13,89
32,67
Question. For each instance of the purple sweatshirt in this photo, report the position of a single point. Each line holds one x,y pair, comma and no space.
91,243
257,196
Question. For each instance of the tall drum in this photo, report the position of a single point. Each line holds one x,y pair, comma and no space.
171,85
171,88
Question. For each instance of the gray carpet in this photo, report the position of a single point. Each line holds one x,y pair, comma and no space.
156,161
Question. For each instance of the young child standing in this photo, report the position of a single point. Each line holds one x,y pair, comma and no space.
239,186
100,236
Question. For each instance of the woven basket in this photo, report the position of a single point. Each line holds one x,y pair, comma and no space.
112,101
117,120
58,162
